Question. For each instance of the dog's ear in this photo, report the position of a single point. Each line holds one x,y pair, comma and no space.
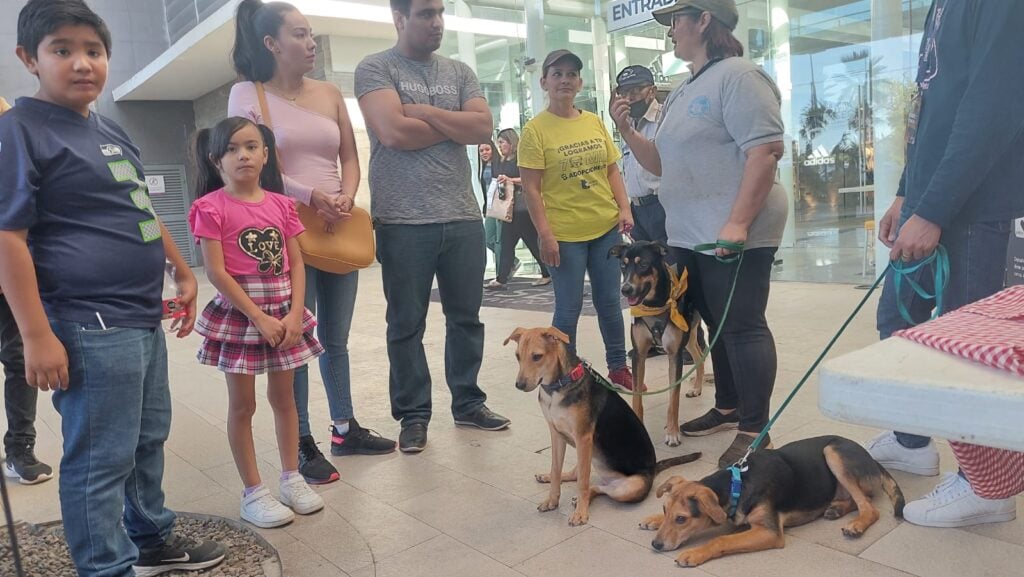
516,335
670,484
661,248
617,250
556,335
707,502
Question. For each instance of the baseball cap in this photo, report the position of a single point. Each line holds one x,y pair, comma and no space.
635,75
558,56
722,10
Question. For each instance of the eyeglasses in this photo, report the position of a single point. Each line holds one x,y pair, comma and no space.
632,91
688,12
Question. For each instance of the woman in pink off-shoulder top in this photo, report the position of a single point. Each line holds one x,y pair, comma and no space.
274,45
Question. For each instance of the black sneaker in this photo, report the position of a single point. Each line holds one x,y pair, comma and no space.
710,422
23,465
179,554
739,447
359,441
413,438
314,467
483,418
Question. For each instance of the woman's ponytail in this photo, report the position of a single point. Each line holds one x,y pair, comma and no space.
254,21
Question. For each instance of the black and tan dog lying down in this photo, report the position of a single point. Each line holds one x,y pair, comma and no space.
615,455
796,484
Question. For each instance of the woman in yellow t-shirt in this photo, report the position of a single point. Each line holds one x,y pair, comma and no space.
578,203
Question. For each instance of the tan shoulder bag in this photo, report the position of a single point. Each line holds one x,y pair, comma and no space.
350,246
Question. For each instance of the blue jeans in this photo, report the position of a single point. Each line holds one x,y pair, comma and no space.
411,256
332,298
115,417
977,269
492,239
576,259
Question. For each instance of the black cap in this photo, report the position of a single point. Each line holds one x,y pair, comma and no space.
635,75
559,55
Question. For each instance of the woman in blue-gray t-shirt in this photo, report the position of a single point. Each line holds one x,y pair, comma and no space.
717,152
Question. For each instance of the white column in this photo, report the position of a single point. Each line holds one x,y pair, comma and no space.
887,45
781,71
467,40
602,77
536,48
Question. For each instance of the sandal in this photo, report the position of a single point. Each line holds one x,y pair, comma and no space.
542,281
494,285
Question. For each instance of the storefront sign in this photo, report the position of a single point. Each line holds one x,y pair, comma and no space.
626,13
819,156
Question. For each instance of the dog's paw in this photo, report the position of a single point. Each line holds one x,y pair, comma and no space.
579,518
673,439
833,513
543,477
548,505
652,523
852,531
693,393
692,557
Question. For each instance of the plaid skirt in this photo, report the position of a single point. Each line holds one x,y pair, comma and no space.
233,344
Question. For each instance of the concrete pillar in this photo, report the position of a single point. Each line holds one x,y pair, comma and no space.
602,76
536,48
780,68
889,154
467,40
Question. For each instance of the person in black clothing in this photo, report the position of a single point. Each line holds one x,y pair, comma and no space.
961,188
506,168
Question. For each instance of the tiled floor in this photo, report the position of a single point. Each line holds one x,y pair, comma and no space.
467,505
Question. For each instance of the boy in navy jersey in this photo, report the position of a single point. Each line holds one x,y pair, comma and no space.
82,270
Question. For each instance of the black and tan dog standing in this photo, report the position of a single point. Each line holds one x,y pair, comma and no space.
796,484
662,315
614,453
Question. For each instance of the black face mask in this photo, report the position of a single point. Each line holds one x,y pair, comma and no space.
638,109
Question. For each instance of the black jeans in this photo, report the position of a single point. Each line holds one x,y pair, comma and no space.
744,356
410,257
19,397
521,227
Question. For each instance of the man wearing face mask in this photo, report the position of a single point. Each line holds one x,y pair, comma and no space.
636,84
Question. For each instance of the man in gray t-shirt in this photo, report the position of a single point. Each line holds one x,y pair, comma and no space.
422,110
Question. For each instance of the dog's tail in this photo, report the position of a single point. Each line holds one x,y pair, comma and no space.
672,462
892,489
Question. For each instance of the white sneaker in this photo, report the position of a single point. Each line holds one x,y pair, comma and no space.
893,456
296,494
263,510
953,504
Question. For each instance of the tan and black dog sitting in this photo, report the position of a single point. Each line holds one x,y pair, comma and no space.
796,484
663,316
614,453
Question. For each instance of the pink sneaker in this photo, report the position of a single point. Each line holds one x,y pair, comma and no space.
623,379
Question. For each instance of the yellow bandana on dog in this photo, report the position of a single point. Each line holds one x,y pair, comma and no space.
678,289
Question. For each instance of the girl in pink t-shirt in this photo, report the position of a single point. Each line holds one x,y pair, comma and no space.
257,323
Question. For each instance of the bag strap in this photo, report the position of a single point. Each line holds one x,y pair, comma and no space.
261,94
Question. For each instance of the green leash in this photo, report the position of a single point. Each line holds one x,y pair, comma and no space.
940,260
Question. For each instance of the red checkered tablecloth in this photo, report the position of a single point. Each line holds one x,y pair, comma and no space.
991,332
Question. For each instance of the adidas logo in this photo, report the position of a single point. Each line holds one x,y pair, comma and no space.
819,156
